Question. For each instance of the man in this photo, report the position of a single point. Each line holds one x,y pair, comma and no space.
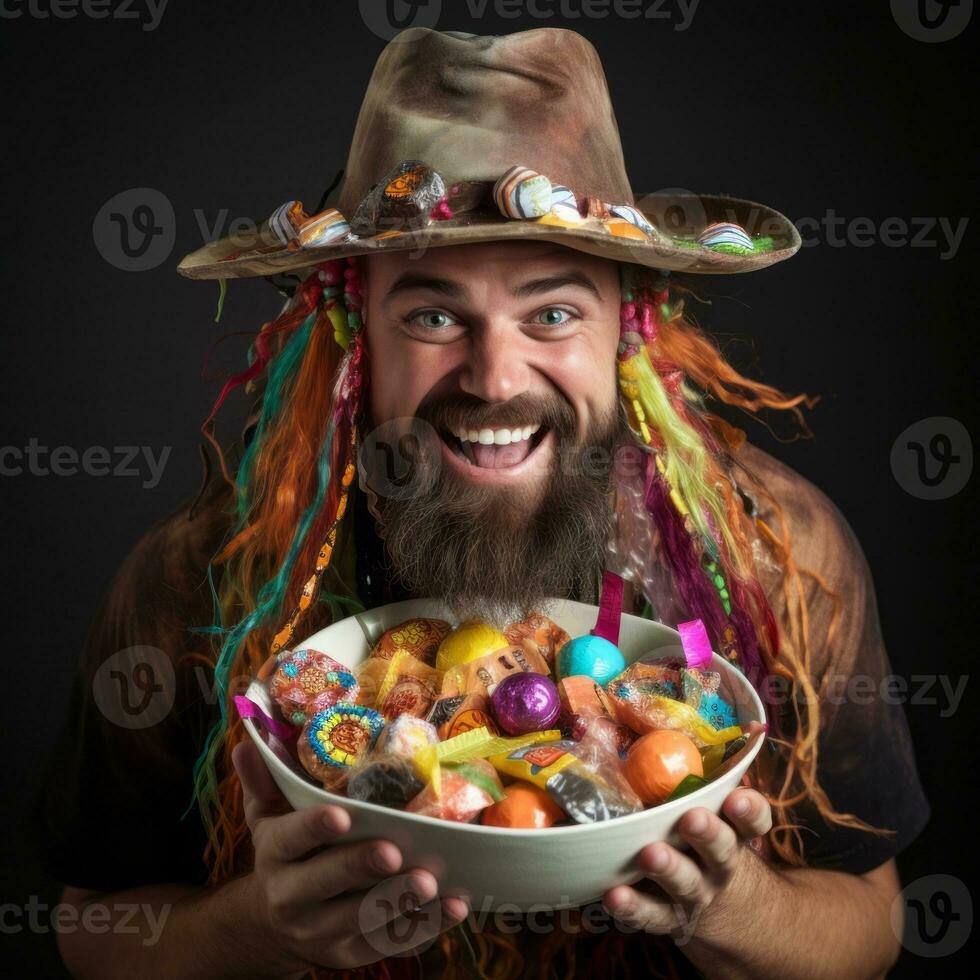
515,365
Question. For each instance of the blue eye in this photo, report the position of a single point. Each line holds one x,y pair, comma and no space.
551,312
433,319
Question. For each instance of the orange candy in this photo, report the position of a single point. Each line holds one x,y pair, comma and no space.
524,806
658,761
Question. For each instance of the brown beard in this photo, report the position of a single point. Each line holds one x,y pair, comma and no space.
491,552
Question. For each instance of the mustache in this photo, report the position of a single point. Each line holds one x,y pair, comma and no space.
461,410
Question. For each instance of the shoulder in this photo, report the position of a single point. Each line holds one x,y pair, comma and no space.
815,573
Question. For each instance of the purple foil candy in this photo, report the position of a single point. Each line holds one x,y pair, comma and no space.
525,703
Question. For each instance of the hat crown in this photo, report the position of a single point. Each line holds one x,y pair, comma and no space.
471,107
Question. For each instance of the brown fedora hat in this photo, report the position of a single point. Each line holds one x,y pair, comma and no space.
463,138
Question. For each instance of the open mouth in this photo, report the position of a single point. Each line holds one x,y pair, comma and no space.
497,448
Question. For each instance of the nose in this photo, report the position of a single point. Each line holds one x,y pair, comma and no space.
497,369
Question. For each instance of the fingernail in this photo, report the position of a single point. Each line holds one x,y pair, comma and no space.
697,823
741,807
381,860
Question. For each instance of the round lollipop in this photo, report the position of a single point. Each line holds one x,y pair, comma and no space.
658,761
591,656
334,739
525,703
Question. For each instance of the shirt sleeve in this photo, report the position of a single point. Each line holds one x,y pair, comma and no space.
865,757
110,810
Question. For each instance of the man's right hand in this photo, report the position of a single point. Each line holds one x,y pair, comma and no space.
323,902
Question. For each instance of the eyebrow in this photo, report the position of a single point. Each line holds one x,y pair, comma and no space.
453,290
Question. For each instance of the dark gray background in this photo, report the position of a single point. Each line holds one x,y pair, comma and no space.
806,106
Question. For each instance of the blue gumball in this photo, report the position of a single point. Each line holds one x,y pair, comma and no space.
591,656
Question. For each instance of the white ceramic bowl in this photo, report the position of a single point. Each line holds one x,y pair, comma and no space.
495,866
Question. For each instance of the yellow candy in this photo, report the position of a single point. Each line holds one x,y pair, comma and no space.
467,642
478,743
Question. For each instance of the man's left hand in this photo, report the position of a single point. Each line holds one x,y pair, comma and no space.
692,890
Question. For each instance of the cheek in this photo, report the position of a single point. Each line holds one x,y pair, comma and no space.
403,373
585,371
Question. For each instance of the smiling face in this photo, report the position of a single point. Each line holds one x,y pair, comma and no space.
505,354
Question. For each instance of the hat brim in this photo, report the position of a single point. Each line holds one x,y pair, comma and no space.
677,219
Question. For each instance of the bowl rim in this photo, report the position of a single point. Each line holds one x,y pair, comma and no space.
683,803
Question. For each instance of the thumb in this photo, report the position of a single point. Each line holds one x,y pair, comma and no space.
261,796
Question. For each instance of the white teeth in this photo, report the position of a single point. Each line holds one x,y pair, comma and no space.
498,437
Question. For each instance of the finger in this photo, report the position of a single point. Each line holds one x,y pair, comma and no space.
407,932
340,869
364,912
291,836
749,813
262,797
675,873
715,842
640,911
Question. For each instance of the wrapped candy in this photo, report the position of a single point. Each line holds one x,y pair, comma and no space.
461,713
469,641
602,726
420,637
333,740
657,763
387,780
463,791
482,675
537,634
406,735
635,699
302,675
525,703
409,687
583,793
523,806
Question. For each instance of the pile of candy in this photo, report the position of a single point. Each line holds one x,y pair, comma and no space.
521,728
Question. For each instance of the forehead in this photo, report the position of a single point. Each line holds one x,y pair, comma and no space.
496,260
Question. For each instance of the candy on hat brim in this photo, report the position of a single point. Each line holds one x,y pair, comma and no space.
286,221
622,228
565,205
635,217
323,229
523,193
405,195
724,235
